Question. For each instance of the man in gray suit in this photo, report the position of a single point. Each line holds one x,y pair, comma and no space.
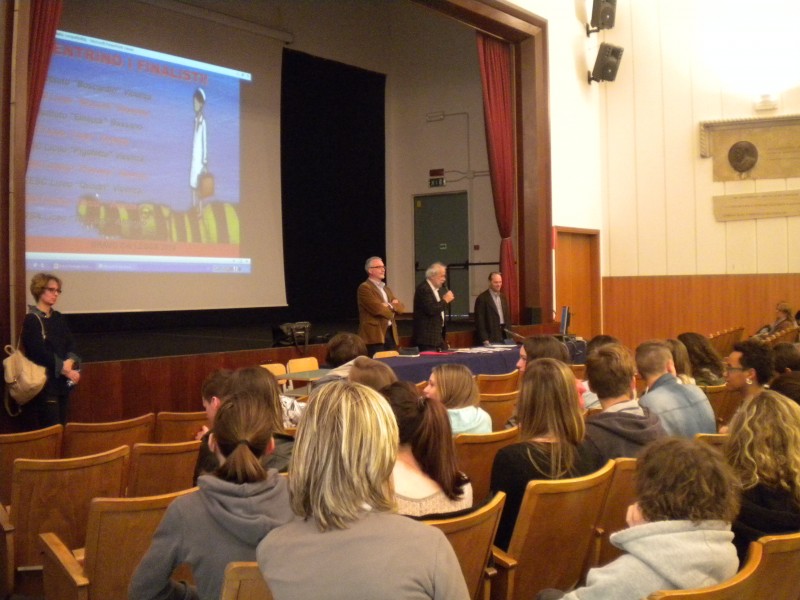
491,312
430,301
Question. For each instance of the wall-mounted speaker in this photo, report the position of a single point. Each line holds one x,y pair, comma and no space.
603,13
606,64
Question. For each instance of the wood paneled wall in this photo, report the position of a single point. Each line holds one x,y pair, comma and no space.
640,308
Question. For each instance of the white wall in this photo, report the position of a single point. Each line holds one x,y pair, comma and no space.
641,131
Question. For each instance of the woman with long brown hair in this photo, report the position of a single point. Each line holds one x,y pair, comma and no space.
426,477
551,430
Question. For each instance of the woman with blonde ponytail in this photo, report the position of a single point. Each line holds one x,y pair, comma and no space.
230,513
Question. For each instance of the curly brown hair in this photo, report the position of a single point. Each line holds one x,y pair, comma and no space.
763,446
680,479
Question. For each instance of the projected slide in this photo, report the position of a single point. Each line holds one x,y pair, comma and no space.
135,163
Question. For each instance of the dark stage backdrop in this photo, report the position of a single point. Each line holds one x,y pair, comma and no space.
333,175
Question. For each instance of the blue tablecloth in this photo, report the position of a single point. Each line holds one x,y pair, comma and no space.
418,368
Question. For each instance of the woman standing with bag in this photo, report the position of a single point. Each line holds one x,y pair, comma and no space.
48,342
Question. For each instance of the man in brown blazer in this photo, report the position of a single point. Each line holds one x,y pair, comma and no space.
377,309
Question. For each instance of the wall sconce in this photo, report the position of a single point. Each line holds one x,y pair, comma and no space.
603,14
606,64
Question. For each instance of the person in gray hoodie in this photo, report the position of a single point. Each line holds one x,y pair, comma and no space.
623,428
679,535
228,516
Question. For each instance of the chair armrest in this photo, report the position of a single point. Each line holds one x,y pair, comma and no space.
6,553
503,582
64,577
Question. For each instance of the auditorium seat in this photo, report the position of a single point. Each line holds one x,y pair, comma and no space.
724,402
552,536
53,496
501,407
42,443
83,439
174,427
621,494
498,384
717,440
385,354
243,581
471,536
118,534
162,468
475,454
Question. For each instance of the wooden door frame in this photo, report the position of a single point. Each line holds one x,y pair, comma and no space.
595,288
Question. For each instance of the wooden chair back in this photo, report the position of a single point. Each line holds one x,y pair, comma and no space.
421,387
717,440
162,468
498,384
723,401
42,444
501,407
621,494
298,365
472,536
243,581
54,495
579,371
554,531
83,439
770,571
385,354
174,427
275,368
118,535
475,454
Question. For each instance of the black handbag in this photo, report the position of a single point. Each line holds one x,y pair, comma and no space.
293,334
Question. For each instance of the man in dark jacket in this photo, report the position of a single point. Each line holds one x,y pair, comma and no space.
430,301
623,428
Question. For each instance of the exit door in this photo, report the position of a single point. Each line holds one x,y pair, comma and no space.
441,234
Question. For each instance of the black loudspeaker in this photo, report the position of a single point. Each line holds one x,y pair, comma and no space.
603,13
607,63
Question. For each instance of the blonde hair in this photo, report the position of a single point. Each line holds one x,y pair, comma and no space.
343,456
548,406
764,443
457,387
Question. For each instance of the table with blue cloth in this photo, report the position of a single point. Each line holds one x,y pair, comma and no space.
418,368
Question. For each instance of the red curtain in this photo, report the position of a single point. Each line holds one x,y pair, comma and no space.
45,16
495,63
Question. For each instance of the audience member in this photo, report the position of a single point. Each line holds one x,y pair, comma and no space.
541,346
259,383
679,533
345,542
680,357
551,430
377,309
787,357
784,319
707,366
492,312
623,428
211,393
454,386
787,384
371,373
684,409
430,301
749,368
426,477
588,397
341,351
228,516
764,449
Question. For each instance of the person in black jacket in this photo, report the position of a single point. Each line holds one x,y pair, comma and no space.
430,301
47,341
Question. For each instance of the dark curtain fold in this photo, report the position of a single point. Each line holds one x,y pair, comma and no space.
495,64
45,16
